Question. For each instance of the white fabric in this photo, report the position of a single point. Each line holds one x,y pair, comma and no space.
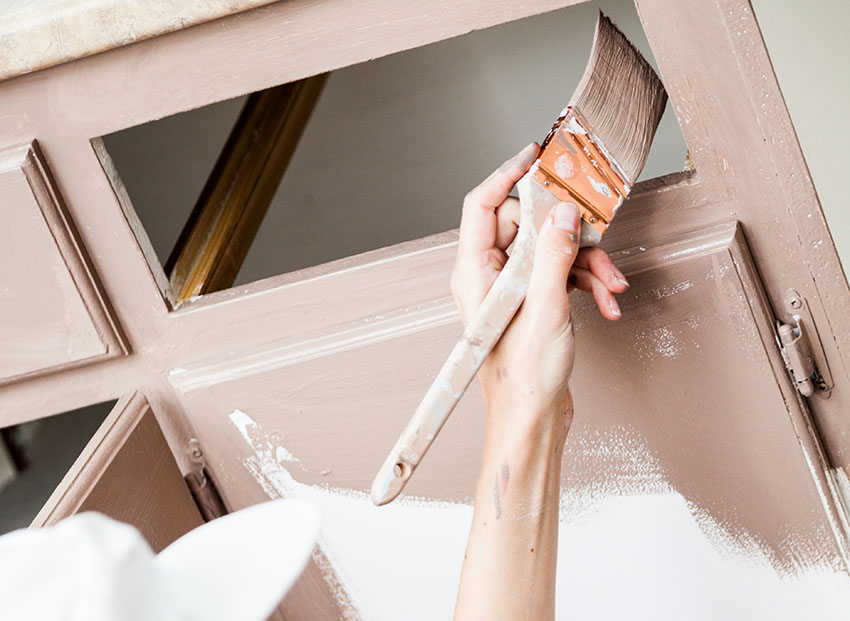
92,568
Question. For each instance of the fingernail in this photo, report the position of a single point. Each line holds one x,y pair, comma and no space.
618,276
615,308
527,153
567,217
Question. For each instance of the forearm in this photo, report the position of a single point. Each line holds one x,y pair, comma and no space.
510,561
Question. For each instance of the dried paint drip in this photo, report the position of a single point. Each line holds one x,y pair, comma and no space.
600,187
379,559
564,167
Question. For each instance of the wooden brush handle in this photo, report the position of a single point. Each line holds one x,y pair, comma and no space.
482,333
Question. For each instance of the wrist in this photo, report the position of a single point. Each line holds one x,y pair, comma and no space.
521,465
529,432
530,412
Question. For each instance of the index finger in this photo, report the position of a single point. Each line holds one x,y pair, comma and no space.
478,224
600,264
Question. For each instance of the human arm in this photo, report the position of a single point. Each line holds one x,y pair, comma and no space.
510,561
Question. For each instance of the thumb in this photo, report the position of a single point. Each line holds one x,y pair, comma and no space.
557,247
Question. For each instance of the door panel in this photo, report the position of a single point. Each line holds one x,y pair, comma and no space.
128,472
51,311
686,397
694,369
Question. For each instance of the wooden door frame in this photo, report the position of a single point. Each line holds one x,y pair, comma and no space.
749,168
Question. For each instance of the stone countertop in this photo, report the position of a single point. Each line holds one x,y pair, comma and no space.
35,34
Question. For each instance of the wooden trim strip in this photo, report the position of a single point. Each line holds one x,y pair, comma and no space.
93,461
225,220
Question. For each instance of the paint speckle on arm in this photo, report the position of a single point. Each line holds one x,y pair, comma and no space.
502,479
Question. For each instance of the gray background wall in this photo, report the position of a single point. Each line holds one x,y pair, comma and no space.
52,445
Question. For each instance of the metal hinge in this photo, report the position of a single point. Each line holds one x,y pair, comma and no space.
801,348
201,485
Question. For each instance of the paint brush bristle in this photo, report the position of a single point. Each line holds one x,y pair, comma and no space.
621,97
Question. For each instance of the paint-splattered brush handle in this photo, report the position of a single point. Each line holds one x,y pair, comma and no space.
480,336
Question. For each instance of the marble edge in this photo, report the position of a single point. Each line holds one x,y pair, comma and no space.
50,35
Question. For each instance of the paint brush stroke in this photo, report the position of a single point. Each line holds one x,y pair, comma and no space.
623,465
635,551
400,549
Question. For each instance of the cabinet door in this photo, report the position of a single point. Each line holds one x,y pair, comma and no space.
697,481
690,465
128,472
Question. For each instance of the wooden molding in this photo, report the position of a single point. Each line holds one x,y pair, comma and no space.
224,221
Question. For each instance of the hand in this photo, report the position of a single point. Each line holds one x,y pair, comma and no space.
509,565
528,370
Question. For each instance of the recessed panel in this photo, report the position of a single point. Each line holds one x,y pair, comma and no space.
127,472
51,314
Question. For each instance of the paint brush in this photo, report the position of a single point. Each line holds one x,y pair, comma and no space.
591,157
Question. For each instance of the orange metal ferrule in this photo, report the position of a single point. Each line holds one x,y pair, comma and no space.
574,167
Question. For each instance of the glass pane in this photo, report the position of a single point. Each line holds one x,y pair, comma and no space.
35,456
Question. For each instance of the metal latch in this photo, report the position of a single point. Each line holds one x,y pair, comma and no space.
801,349
798,358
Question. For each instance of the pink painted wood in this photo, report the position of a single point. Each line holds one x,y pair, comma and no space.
322,357
127,472
343,395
